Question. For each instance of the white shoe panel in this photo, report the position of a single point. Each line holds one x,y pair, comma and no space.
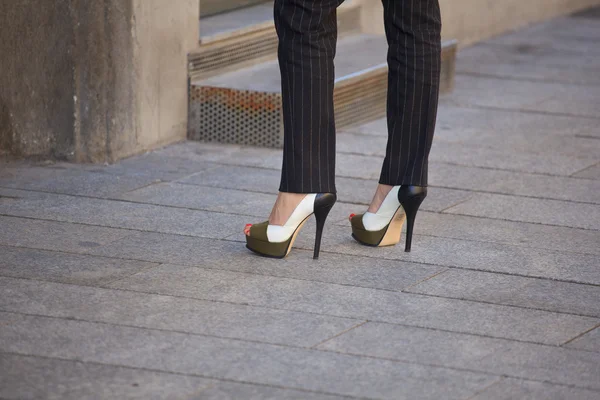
377,221
278,233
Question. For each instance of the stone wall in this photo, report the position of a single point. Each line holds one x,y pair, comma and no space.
93,81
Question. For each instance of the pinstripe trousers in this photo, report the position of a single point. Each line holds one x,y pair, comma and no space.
307,31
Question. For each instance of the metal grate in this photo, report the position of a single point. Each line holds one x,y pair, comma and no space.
226,115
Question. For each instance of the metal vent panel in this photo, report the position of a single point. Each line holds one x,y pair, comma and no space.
226,115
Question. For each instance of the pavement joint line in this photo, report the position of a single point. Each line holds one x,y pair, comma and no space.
157,265
529,222
406,289
474,395
584,169
509,77
338,335
169,372
596,317
305,312
580,335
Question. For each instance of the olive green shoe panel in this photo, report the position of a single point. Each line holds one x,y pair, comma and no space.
266,248
372,238
357,223
259,231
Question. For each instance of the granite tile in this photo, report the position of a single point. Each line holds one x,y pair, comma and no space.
233,256
496,356
541,294
541,211
234,360
29,377
360,303
170,313
66,267
590,341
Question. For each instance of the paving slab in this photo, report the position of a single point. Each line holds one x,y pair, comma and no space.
477,255
555,238
530,62
541,294
495,127
360,303
543,97
541,211
510,389
29,377
590,341
66,267
233,256
506,156
58,236
497,356
549,187
121,214
70,179
229,359
170,313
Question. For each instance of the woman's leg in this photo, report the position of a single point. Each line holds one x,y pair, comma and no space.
307,31
413,30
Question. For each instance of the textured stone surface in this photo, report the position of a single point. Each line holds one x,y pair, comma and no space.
65,267
484,256
555,238
589,173
510,389
170,313
550,212
28,377
590,341
60,236
120,214
502,357
360,303
570,298
232,255
235,360
526,96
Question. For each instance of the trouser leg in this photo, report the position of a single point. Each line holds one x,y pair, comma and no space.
307,31
413,31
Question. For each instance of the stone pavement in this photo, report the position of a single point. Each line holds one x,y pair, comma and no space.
132,280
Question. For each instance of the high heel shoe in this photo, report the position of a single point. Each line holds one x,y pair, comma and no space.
276,241
384,227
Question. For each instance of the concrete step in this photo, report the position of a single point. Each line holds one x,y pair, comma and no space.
246,37
244,106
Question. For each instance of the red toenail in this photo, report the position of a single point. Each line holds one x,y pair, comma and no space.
352,216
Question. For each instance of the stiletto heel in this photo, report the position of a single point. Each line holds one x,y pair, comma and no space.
323,205
411,197
384,227
276,241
